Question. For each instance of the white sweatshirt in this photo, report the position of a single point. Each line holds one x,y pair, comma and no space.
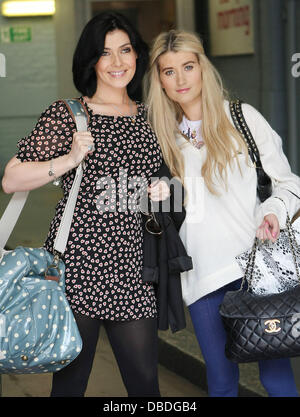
218,228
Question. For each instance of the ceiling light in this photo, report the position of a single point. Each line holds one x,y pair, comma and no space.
28,8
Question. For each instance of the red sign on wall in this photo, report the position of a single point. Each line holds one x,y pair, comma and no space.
231,27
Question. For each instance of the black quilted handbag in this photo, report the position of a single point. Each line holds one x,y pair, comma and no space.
262,326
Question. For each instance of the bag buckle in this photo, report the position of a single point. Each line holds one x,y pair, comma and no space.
55,265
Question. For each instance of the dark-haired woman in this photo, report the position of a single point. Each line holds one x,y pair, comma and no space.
104,253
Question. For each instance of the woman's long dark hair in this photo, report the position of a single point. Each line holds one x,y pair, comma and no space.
91,45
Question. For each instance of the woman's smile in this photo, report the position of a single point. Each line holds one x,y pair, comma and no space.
117,74
183,90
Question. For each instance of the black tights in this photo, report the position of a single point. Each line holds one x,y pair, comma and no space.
134,344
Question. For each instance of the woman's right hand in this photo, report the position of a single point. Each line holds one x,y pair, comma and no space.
81,145
269,228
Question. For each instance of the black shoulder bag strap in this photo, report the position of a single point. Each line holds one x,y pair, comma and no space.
264,183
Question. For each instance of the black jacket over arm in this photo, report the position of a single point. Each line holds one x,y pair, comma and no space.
164,258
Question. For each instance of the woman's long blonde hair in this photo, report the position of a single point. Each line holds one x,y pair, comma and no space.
165,114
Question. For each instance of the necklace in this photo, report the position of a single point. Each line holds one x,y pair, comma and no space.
132,116
192,129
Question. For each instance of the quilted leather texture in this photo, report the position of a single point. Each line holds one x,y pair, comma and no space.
38,332
261,327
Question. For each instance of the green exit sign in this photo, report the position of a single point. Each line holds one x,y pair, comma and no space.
14,34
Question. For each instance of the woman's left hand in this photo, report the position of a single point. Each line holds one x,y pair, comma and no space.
269,228
158,191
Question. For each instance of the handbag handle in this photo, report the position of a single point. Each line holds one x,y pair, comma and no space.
242,127
292,241
18,200
264,183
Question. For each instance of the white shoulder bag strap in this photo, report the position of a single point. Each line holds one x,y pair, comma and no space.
18,200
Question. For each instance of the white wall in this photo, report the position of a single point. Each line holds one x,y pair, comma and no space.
67,34
30,83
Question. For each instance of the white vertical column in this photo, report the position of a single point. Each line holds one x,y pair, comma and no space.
66,39
185,15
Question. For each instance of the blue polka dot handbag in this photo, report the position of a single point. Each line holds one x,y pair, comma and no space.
38,332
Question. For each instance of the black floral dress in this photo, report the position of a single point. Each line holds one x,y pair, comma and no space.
104,254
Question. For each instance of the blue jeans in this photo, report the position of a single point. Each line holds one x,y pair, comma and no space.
276,375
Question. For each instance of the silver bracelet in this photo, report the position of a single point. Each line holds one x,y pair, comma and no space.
51,173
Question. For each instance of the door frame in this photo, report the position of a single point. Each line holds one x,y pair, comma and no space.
185,13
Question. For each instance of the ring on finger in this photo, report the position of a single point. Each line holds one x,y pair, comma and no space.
91,148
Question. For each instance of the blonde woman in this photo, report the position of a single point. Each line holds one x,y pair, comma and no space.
191,118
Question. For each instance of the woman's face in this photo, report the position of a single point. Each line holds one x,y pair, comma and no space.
117,64
181,77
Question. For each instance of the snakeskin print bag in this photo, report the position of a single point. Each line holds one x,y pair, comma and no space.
276,266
